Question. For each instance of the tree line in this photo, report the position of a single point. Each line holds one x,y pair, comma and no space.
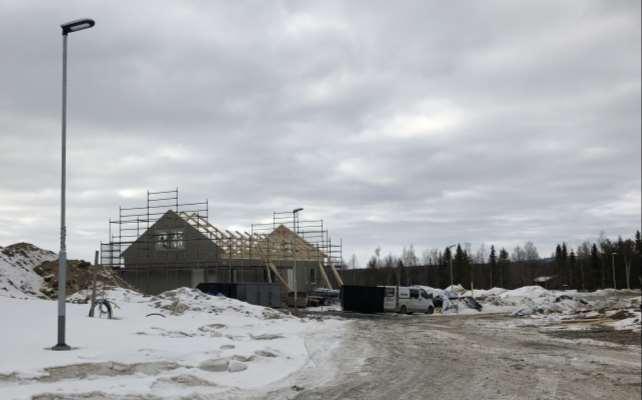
603,263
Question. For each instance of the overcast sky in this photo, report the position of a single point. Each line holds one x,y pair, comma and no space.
399,123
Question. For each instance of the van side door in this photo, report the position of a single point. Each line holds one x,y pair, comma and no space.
390,298
415,303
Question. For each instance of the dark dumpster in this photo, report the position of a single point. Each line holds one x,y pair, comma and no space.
218,288
364,299
259,293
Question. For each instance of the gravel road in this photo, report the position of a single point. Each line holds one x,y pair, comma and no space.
464,357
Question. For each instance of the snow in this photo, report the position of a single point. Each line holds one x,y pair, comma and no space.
632,323
17,277
548,305
153,354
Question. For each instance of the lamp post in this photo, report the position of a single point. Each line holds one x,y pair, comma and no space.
69,27
294,219
296,230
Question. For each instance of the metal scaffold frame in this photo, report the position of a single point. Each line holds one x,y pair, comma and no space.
132,222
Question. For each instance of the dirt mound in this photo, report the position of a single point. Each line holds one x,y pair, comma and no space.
27,271
17,276
80,275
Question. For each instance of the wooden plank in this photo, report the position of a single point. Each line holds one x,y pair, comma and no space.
336,275
276,272
325,276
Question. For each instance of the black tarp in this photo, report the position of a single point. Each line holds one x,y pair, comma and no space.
365,299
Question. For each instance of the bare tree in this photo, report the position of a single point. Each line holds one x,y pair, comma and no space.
378,256
353,261
426,258
408,256
389,261
518,254
480,255
530,251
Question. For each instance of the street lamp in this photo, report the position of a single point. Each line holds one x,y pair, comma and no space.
296,230
72,26
294,219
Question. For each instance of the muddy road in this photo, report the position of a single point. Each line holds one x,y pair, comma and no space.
464,357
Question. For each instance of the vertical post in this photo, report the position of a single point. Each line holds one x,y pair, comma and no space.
62,256
296,289
93,285
229,258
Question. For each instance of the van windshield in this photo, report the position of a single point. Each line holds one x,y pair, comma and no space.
424,294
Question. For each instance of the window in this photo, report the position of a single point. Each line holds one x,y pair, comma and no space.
169,239
313,276
425,295
414,293
390,292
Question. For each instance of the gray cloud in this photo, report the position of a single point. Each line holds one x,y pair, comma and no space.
421,123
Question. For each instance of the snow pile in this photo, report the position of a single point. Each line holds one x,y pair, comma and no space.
182,343
453,300
630,322
116,295
537,301
184,299
17,276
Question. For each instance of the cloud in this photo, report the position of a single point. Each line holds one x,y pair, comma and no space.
424,123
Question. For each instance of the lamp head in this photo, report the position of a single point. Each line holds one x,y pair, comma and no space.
77,25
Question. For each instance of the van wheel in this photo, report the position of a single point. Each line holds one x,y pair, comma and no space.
430,310
403,310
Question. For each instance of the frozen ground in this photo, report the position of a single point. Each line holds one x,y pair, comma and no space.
484,356
216,348
201,346
527,343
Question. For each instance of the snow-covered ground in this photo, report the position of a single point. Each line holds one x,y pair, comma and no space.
184,344
200,344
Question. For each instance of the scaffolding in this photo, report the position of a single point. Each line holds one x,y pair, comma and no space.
310,230
132,222
288,240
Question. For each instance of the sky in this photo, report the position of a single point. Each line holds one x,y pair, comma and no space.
415,122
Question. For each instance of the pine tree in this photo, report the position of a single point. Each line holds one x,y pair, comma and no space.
565,270
447,255
372,263
503,263
596,268
606,248
638,243
571,266
462,260
492,260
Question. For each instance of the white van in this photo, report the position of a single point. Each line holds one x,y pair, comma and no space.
409,300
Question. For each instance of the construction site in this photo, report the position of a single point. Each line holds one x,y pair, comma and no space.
166,244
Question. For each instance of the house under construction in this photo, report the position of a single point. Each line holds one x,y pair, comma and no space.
167,244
